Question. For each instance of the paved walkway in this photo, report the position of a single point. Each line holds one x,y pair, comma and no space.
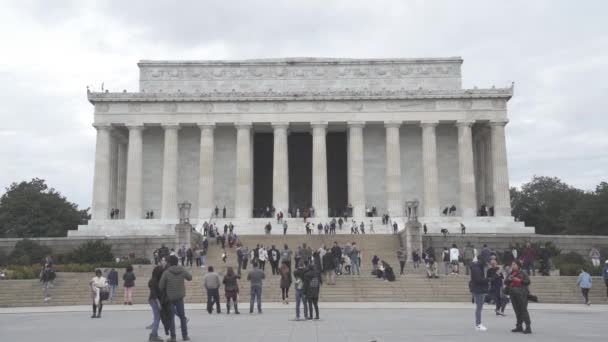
352,322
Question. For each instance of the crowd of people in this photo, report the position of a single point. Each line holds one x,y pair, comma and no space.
496,277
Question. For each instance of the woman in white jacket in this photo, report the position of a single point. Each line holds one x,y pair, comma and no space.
99,292
263,256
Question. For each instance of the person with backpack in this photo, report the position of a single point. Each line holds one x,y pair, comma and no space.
47,277
584,282
173,283
478,286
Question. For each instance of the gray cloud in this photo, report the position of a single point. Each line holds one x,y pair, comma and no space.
555,51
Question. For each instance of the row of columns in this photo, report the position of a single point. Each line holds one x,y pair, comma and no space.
104,179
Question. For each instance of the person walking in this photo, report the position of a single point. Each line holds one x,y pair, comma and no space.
112,282
154,301
262,257
402,257
274,256
99,292
129,284
211,283
256,278
336,252
455,259
173,283
231,288
47,277
584,282
416,259
329,268
445,255
355,258
285,284
468,256
286,255
479,289
517,284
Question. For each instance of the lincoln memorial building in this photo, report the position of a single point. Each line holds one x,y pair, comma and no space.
318,135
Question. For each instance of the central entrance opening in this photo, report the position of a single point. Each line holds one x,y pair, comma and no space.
337,175
263,147
300,171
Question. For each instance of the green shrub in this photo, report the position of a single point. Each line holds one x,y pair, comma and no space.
3,259
28,252
23,272
91,252
141,261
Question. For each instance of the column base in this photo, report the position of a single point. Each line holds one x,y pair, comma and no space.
469,212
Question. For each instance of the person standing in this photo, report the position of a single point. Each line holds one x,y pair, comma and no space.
211,283
517,287
285,284
355,258
496,278
336,251
129,284
594,254
584,282
262,257
300,294
112,282
445,255
479,289
273,257
528,256
154,301
239,259
285,226
181,254
173,283
605,276
99,292
189,257
286,255
468,255
416,258
231,287
47,277
256,278
329,268
312,286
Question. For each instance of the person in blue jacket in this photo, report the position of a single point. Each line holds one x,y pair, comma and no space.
584,282
605,275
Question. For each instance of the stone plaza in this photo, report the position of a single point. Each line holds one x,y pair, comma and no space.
346,322
297,135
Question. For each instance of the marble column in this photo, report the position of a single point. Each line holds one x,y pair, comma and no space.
100,207
113,172
319,168
133,202
280,169
500,176
393,169
205,179
429,168
244,184
169,210
465,169
356,187
122,178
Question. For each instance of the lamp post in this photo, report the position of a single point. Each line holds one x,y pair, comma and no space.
184,211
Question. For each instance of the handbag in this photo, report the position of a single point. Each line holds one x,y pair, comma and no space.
104,295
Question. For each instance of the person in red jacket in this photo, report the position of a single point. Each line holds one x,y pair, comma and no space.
517,286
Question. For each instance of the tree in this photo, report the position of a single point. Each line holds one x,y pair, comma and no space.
32,209
554,207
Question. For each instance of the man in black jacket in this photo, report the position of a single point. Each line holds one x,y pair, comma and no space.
479,288
274,256
329,268
336,252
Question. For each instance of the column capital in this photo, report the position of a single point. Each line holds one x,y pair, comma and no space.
499,122
280,125
242,125
392,124
429,123
465,123
318,124
167,126
202,125
102,126
355,124
135,126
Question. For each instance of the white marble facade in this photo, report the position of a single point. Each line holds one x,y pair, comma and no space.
412,131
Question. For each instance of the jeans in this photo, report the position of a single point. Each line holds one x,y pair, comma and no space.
479,299
156,314
202,257
519,300
253,293
177,308
355,266
338,266
300,297
213,297
585,295
112,291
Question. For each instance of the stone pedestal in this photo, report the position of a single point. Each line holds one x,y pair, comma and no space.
183,233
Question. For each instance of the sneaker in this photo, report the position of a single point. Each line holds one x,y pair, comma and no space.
481,328
528,330
499,313
186,338
517,329
155,339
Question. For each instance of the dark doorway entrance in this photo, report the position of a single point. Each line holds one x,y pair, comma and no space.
263,147
337,178
300,171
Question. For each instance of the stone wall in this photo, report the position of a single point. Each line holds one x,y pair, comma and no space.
121,246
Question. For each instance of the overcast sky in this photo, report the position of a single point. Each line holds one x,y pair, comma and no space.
556,52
